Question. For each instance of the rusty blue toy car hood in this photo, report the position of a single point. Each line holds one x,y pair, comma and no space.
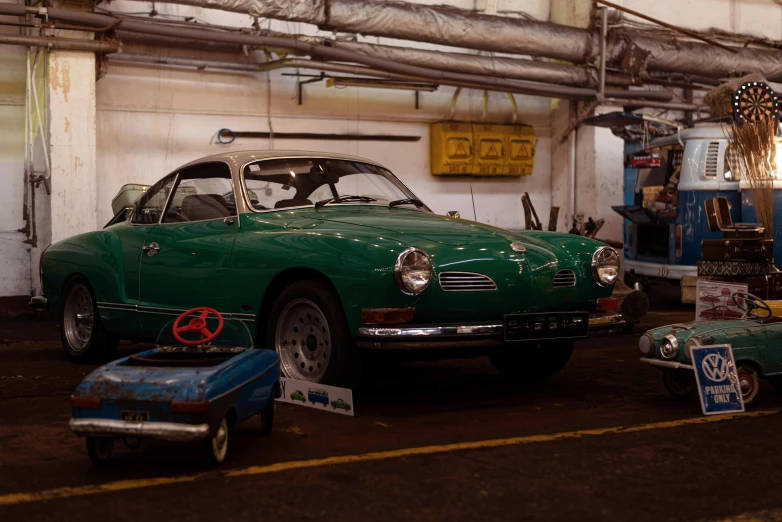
121,380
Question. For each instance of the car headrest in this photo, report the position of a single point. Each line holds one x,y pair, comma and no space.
204,206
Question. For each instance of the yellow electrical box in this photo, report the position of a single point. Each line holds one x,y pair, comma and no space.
451,148
491,150
482,149
521,149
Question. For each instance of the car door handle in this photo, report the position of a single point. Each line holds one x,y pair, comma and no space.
151,249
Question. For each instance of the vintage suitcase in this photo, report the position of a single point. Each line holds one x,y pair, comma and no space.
738,249
768,287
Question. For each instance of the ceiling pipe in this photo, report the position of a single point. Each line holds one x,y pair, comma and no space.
329,53
68,44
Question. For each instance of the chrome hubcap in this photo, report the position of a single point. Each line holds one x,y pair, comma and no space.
745,382
303,341
78,319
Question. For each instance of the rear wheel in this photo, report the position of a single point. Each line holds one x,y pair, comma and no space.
81,330
99,448
749,382
267,417
532,362
680,383
308,329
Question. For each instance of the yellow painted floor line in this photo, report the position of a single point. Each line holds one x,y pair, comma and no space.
125,485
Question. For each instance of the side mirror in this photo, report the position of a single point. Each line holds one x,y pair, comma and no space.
453,214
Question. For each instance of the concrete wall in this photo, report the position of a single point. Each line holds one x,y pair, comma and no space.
150,120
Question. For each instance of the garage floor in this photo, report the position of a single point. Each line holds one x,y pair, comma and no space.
431,441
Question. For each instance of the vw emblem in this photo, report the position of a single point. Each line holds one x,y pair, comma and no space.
663,271
715,367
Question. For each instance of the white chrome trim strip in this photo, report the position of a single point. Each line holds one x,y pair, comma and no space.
157,430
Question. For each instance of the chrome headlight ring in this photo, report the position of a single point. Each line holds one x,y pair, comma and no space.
688,346
669,347
413,271
605,266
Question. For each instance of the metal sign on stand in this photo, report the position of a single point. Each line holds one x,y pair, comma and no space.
717,378
320,396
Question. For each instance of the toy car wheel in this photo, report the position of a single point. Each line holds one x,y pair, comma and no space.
536,362
680,383
749,382
308,329
267,417
99,448
217,446
81,330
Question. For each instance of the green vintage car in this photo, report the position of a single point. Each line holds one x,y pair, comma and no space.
298,395
339,404
331,256
756,341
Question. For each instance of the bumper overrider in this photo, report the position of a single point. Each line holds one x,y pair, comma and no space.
472,335
156,430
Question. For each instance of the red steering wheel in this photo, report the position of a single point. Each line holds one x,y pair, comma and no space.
197,325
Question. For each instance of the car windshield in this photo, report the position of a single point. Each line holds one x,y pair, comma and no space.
301,182
232,336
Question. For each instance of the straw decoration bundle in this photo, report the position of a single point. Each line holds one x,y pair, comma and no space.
754,158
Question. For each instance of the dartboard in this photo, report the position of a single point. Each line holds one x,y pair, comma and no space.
755,101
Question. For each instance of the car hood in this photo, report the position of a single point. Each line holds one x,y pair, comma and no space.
706,331
423,225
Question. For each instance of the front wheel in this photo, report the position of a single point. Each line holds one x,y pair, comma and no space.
217,446
308,329
81,330
680,383
532,362
749,382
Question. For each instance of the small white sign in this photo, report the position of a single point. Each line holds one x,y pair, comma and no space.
714,301
319,396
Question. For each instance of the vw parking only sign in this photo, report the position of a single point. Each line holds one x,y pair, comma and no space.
718,381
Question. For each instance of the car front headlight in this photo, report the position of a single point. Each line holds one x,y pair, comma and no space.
413,271
669,347
646,344
605,266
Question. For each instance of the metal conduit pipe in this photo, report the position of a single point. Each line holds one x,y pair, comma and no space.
329,53
68,44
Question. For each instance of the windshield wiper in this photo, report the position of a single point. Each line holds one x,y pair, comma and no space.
407,201
342,199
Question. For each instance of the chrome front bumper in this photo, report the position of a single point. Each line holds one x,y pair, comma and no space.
155,430
459,336
667,364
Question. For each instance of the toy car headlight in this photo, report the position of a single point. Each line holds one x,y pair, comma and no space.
646,344
688,348
413,271
669,347
605,266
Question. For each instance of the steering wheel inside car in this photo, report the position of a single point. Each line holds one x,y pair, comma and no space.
750,304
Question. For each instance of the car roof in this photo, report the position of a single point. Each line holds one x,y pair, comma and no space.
240,157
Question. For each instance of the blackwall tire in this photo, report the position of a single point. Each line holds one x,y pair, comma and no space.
81,331
532,362
267,417
680,383
99,449
308,329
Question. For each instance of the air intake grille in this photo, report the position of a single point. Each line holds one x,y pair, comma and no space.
565,278
465,282
712,156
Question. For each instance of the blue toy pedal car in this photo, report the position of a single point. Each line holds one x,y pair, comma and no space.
188,390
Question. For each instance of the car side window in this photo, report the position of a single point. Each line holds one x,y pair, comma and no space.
203,192
149,206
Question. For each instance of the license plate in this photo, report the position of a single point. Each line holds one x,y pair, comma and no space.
134,416
557,325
